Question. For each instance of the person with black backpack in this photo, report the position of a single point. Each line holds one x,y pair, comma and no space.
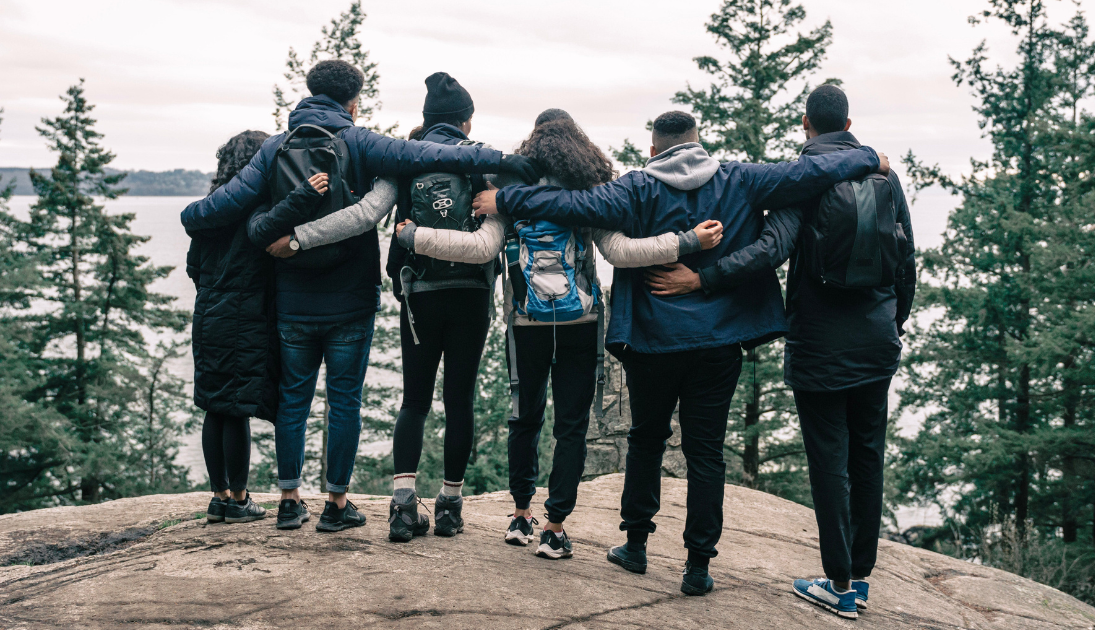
554,318
326,312
686,350
850,288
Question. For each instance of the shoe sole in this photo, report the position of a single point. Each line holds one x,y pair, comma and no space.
688,589
336,527
294,524
245,519
545,551
214,519
446,533
634,567
862,605
515,537
832,609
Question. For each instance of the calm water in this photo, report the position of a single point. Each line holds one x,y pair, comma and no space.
158,217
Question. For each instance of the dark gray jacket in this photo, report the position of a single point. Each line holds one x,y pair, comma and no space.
837,338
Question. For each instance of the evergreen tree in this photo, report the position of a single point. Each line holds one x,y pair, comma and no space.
1002,368
90,342
33,439
338,40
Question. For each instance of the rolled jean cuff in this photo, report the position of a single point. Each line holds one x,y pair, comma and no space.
522,502
337,489
289,484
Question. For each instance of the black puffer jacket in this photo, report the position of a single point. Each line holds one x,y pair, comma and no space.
236,357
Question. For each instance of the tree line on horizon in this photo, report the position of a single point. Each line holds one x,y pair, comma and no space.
177,182
998,359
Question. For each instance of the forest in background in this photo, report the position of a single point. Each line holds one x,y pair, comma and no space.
998,360
178,182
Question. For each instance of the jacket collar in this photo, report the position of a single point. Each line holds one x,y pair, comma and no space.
321,111
442,132
829,142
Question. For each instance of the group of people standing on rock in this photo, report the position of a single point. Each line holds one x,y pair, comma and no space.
286,262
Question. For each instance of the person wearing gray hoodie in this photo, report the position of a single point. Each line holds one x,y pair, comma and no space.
684,350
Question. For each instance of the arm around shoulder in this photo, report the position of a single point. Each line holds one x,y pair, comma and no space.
351,220
624,252
478,247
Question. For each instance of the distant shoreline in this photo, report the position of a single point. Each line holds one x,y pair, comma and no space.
176,183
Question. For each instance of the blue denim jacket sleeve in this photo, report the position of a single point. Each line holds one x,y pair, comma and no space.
785,184
609,207
236,200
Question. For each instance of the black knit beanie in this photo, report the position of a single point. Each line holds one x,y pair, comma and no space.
446,97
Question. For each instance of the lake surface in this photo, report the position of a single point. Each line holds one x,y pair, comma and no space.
158,217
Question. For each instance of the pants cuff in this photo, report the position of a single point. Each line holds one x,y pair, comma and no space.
522,503
337,489
289,484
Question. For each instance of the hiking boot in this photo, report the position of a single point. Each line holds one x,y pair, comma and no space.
404,521
215,512
554,546
633,560
335,519
860,587
696,580
821,593
447,521
520,530
292,514
243,511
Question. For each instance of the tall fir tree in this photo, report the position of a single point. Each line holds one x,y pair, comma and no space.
1001,363
91,341
752,110
338,40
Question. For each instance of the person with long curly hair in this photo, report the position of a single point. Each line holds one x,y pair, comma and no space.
565,352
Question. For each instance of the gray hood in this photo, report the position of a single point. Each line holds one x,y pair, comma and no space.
684,167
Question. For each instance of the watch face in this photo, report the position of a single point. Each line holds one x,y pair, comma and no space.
293,244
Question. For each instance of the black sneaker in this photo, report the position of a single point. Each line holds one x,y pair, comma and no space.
334,519
554,546
243,511
292,514
215,512
520,530
633,560
447,521
696,580
404,521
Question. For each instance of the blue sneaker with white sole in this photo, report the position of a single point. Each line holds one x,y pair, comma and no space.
860,587
820,592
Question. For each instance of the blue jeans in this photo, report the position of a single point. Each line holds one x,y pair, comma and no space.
344,347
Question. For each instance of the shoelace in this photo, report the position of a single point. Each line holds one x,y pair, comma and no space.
530,519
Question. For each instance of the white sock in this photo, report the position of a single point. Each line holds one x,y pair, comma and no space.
452,488
403,480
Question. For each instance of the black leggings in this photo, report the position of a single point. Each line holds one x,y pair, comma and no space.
226,442
453,323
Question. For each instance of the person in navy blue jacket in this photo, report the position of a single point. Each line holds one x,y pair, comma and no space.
684,350
326,315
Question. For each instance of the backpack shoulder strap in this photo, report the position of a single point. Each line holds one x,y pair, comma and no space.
599,400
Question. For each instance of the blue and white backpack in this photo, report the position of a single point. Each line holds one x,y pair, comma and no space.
552,273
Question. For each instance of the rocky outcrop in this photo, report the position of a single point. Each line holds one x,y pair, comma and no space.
173,570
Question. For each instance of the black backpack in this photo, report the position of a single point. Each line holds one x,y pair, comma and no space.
443,201
305,151
853,240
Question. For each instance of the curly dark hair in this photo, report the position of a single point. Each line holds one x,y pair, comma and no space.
567,154
340,80
235,154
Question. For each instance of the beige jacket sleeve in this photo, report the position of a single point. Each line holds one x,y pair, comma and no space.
623,252
476,248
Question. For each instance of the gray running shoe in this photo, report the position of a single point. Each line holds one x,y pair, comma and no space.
292,514
215,512
243,511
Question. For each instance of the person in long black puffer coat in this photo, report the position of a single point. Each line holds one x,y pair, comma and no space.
236,358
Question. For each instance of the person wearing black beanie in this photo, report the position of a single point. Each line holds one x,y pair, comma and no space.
446,100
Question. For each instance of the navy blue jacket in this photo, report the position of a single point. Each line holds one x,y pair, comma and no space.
641,205
350,290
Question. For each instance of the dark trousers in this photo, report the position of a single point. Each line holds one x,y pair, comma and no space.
703,382
845,436
573,383
226,444
452,323
344,349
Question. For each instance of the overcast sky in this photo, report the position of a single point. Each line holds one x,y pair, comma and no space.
173,79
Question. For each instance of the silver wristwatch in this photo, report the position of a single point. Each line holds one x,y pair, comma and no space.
294,244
